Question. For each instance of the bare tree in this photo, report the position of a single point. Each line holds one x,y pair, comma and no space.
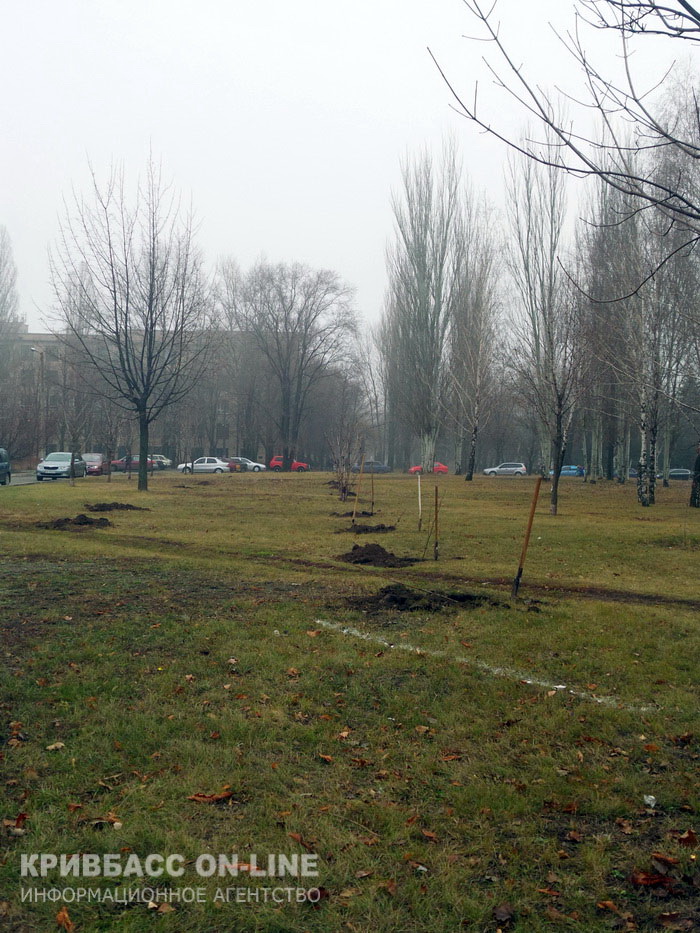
132,296
301,321
547,352
425,283
620,101
473,330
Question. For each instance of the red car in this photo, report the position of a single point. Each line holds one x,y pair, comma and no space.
96,464
437,468
297,465
121,465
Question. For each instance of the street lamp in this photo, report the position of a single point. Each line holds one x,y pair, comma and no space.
42,403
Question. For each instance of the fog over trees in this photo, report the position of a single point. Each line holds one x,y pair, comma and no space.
562,328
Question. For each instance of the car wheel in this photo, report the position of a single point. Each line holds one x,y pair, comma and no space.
519,473
186,470
301,469
39,479
218,470
4,481
256,469
277,469
491,473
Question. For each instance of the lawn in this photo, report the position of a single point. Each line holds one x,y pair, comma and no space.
206,677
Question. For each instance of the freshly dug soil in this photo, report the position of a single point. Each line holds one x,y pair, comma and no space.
114,506
376,555
400,598
80,521
368,529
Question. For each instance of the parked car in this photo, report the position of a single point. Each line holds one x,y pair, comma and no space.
506,469
297,465
57,465
678,473
570,470
5,467
437,468
205,465
162,462
122,465
250,466
372,466
96,464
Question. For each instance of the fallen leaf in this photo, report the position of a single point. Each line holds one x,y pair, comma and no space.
63,919
312,633
297,837
55,747
327,758
212,798
429,835
688,838
504,913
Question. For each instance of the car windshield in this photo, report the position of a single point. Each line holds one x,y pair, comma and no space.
92,458
58,456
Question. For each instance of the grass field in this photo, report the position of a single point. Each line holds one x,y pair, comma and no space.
206,676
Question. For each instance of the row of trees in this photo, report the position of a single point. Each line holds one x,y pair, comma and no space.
506,337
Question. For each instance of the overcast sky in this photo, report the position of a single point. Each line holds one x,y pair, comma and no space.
284,122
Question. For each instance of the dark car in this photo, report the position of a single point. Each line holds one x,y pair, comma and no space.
96,464
125,463
680,474
570,469
372,466
5,467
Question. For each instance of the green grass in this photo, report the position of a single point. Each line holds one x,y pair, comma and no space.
435,785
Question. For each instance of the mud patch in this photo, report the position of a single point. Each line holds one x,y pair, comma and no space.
400,598
80,521
115,506
367,529
376,555
362,514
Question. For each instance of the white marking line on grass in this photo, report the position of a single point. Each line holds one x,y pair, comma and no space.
507,672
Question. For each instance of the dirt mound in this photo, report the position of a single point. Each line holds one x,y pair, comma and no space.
80,521
376,555
115,506
400,598
368,529
350,514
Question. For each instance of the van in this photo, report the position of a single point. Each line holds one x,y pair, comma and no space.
5,467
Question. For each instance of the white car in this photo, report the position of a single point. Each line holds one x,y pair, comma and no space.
506,469
249,465
161,461
205,465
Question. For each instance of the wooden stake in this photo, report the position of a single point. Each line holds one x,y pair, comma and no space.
533,506
359,486
436,546
420,506
371,508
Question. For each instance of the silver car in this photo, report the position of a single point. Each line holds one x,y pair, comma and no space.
57,465
205,465
506,469
248,465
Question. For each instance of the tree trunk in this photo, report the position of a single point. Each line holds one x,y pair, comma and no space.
143,451
428,440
